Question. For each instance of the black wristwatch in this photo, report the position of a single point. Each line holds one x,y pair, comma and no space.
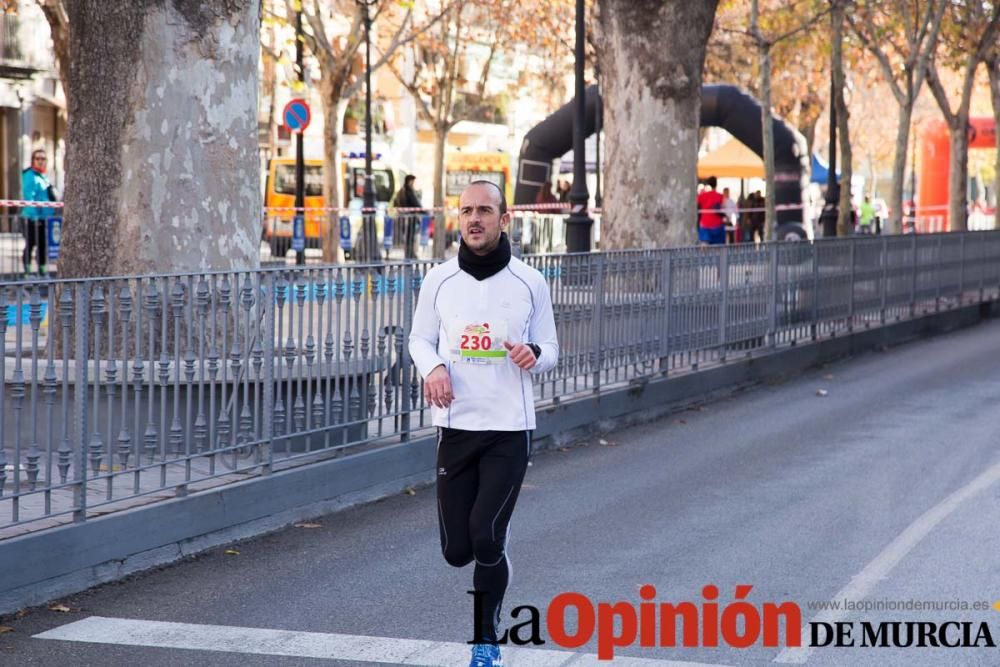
535,349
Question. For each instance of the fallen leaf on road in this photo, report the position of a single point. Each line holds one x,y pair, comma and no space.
5,628
61,608
564,449
409,491
603,441
680,421
609,444
821,392
308,525
232,552
827,377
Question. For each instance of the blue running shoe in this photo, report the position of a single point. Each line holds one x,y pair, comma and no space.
486,655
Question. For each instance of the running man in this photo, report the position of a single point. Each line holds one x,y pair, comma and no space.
483,325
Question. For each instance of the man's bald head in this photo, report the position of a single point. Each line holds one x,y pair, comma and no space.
501,198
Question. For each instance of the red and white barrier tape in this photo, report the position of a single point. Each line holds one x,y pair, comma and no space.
38,204
425,209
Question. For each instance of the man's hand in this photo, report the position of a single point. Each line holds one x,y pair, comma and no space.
437,387
520,354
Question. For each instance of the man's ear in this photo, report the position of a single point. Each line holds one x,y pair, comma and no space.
505,221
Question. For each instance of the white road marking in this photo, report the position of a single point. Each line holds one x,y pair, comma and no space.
263,641
866,580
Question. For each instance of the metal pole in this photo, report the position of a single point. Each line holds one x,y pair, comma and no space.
828,218
598,112
368,215
579,223
300,164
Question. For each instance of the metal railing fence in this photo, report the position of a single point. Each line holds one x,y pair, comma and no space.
129,390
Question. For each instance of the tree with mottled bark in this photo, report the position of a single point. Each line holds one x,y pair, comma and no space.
161,160
969,33
902,35
652,54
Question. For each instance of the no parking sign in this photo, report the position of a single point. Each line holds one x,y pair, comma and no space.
297,115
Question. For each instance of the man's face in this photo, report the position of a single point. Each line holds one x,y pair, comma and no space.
39,162
479,218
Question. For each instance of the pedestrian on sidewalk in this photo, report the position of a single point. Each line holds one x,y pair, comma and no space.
711,227
729,211
757,216
483,326
867,216
35,187
407,198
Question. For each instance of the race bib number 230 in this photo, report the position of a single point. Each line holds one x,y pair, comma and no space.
479,343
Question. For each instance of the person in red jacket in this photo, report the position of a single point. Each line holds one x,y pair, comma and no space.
711,224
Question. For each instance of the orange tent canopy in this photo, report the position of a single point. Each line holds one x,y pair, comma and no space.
731,160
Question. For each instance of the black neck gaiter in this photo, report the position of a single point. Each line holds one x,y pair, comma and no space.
482,267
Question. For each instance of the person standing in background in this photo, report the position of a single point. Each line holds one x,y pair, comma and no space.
711,227
35,187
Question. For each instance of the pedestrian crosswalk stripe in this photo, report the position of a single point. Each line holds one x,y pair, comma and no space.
358,648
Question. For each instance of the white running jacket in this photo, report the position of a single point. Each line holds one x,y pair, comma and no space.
462,323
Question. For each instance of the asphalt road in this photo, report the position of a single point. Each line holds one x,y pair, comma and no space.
882,490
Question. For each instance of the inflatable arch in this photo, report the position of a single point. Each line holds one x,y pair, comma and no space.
935,153
722,106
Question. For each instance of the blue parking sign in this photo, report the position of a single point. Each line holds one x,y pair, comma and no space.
54,232
299,233
345,232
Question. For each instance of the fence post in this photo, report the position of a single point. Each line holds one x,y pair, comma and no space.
80,388
267,399
597,352
913,279
883,282
814,327
937,275
404,362
724,302
961,269
854,274
980,269
773,315
667,286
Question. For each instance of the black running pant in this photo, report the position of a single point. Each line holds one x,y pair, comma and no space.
35,236
479,477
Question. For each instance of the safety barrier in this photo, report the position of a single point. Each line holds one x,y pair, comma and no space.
123,391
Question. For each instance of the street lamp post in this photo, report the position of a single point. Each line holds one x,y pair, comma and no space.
368,211
578,224
598,121
300,164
